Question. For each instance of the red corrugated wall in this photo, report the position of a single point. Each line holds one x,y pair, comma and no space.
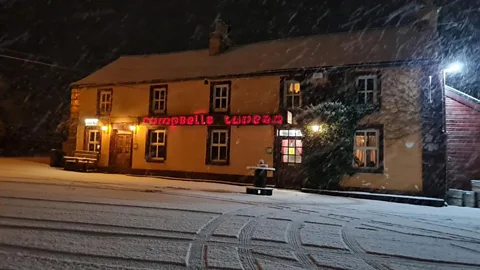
463,144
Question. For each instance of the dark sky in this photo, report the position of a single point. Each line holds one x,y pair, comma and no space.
85,35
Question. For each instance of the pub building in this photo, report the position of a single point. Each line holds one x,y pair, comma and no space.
210,113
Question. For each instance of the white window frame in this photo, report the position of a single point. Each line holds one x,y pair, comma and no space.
104,106
96,143
160,100
219,145
365,91
156,144
365,148
215,98
287,95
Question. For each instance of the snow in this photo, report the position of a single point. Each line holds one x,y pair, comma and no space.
232,227
321,236
90,223
98,245
271,230
223,257
341,262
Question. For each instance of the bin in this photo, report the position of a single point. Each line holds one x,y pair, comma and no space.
260,178
56,158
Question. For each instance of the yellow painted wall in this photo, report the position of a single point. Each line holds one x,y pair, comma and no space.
400,114
186,149
186,145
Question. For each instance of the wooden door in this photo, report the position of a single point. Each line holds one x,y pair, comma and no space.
121,152
289,158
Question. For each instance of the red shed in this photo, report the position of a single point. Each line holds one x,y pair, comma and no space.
463,141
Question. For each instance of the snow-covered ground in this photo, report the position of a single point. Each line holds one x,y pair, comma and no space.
53,219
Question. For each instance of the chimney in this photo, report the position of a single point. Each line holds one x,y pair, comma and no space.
219,38
427,18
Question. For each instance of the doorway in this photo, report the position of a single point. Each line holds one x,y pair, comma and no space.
289,158
121,151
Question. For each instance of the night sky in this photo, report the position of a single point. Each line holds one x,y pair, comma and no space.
73,38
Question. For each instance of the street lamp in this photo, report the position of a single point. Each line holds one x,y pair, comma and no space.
454,67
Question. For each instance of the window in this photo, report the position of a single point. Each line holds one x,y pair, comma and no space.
157,145
292,151
218,146
367,89
220,96
105,101
158,99
367,150
93,140
292,96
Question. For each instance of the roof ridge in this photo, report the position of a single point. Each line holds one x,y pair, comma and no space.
273,40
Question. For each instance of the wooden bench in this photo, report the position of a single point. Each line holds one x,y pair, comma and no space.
82,161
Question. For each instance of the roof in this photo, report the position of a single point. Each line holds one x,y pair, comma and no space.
339,49
463,98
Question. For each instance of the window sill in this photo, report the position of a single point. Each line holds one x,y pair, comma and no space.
149,160
217,163
369,170
152,114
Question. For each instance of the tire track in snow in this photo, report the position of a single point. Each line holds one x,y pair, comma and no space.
99,204
84,257
88,227
196,257
355,247
293,237
246,234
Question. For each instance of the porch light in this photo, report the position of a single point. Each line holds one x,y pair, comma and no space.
104,128
318,128
132,128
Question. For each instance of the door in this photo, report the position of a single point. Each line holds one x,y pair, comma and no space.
121,152
289,157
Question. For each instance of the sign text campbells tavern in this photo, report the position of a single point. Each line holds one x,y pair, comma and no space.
203,119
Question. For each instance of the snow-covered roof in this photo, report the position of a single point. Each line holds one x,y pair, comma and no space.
462,97
338,49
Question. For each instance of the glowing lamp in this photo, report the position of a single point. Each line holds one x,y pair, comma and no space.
104,128
454,67
132,128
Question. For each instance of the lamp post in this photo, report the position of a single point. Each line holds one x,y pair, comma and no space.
454,67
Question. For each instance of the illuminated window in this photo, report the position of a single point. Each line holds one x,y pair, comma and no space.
93,140
291,151
290,133
218,146
157,143
158,99
367,89
220,97
105,101
366,149
292,96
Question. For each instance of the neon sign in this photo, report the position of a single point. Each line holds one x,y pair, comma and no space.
207,120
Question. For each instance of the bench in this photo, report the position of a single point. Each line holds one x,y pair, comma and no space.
82,161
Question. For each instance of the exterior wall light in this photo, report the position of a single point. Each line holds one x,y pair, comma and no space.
318,128
91,122
104,129
133,128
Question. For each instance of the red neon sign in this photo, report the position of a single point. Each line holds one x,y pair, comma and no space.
202,120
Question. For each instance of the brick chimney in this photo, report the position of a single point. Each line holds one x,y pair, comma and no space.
427,18
219,40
